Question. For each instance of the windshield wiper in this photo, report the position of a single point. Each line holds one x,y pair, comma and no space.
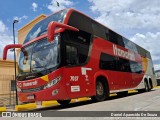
43,67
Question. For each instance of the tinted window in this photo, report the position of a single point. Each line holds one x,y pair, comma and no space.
123,65
88,25
41,27
99,30
81,41
148,55
79,37
76,55
115,38
136,48
120,41
136,67
81,22
107,62
141,51
130,45
71,55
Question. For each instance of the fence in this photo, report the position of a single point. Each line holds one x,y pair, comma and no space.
7,95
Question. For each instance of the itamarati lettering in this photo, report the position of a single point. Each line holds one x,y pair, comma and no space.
126,54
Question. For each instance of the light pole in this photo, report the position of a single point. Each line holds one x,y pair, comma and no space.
15,21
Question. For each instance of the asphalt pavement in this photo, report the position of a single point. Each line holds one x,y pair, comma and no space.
148,101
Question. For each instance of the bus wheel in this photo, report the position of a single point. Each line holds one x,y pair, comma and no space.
150,84
63,102
100,91
146,87
124,93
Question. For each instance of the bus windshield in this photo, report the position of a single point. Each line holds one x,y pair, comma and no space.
39,56
41,27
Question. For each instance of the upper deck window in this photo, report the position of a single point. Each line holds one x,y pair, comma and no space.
81,22
41,27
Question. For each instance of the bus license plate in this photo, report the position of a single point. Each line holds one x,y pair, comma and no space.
30,97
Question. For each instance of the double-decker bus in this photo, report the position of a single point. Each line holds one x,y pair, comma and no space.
69,55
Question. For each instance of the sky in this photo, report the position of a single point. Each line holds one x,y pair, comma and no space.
137,20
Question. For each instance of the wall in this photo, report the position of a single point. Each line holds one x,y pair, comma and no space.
7,73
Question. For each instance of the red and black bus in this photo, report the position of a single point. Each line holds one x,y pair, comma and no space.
69,55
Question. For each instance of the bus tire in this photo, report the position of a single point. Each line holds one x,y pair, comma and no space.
146,87
102,90
63,102
150,84
124,93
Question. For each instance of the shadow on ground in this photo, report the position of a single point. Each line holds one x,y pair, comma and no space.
82,103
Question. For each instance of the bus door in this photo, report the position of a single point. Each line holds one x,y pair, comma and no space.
75,83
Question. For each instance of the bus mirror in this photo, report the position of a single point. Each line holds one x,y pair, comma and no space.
5,50
52,29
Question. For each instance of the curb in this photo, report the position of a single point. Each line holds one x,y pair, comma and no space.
49,103
43,104
28,106
3,109
132,91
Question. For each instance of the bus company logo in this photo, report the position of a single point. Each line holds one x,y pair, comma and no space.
30,83
126,54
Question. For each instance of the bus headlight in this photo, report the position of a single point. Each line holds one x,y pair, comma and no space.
52,82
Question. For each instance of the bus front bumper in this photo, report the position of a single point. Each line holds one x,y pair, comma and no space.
53,93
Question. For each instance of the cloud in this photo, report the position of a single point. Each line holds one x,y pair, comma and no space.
2,27
20,18
62,4
138,20
127,14
5,39
34,6
151,42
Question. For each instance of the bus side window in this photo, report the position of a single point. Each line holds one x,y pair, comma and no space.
107,62
71,55
123,65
